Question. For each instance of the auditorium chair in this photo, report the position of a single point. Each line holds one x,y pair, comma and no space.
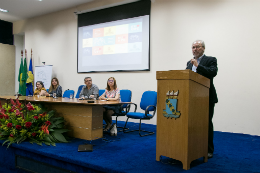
101,91
67,93
148,103
79,90
125,96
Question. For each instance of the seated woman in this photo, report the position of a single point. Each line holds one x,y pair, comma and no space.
111,93
40,90
55,88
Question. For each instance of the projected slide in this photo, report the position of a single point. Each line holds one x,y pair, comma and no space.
114,46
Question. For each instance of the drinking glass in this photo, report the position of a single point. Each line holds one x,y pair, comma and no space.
71,96
54,95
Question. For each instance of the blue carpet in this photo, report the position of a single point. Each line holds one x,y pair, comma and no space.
128,152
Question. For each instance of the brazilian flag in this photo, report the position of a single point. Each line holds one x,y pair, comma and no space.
30,79
24,77
20,76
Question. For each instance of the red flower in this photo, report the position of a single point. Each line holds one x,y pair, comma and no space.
45,129
18,127
0,105
43,114
12,101
17,112
48,123
29,104
12,110
28,124
1,116
29,107
36,117
3,111
9,125
18,103
22,115
6,117
21,109
11,135
33,134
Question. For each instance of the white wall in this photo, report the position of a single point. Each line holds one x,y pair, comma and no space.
230,29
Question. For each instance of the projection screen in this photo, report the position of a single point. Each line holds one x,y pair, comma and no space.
115,39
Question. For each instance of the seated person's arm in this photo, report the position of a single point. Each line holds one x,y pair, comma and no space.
95,93
102,97
42,93
115,98
59,91
81,95
47,94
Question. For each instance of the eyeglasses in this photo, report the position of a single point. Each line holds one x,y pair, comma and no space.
196,47
88,80
110,80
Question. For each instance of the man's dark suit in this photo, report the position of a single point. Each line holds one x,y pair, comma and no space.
208,67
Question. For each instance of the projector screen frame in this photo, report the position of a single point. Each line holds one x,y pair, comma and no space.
134,70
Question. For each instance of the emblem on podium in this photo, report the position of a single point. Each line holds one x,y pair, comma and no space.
171,105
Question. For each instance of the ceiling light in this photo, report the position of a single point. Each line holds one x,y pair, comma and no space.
3,10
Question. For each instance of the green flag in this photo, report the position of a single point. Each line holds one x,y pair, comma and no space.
24,77
20,76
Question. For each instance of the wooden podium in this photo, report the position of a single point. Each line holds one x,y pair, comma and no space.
184,138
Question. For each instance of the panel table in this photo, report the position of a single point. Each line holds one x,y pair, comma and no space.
85,120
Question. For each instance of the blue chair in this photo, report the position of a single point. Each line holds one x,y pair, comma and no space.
79,90
67,93
126,96
47,90
101,91
148,103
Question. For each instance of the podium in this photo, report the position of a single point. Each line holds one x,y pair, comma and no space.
182,116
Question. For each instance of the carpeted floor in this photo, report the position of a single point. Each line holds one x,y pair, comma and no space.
128,152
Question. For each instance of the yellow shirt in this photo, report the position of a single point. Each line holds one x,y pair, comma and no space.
37,91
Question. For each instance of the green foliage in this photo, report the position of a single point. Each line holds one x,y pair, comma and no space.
33,123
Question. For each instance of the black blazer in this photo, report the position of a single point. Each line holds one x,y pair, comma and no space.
208,67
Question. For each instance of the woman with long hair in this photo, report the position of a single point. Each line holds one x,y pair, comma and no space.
55,88
111,93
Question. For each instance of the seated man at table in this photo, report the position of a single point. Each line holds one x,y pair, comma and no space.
89,90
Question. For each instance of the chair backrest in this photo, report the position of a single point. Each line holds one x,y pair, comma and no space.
67,93
47,90
101,91
79,90
126,96
148,98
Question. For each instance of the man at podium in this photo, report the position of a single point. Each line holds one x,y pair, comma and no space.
206,66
